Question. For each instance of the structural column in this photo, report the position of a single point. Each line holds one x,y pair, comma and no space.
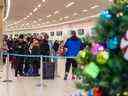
1,22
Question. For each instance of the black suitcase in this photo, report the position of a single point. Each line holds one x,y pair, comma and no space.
48,70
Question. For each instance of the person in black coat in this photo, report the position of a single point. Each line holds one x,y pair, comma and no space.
19,49
35,50
27,59
44,46
48,69
56,46
10,45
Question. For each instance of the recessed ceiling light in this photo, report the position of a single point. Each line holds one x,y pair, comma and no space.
34,21
30,13
27,24
34,10
39,5
95,6
70,4
28,16
43,0
49,16
25,18
39,19
47,22
66,17
56,12
84,10
74,14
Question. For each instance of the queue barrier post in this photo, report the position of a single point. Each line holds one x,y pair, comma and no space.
1,58
7,80
41,74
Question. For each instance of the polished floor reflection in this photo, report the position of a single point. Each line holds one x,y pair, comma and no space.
30,86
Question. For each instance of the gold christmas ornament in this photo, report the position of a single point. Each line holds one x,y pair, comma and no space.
121,1
119,14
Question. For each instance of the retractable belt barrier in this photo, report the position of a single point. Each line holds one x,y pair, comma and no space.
24,55
40,59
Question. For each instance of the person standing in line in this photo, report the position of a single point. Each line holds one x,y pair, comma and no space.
45,50
4,49
61,49
35,50
10,44
73,45
56,46
55,53
44,46
20,49
27,52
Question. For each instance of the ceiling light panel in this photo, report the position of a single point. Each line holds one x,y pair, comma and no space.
34,21
47,22
56,12
66,17
70,4
39,5
84,10
75,14
30,13
43,0
34,10
40,19
95,6
27,23
49,16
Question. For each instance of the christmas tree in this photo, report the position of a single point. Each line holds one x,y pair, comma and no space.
104,63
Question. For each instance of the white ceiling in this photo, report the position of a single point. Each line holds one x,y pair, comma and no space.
36,13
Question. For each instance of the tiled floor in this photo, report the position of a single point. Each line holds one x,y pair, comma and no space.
29,86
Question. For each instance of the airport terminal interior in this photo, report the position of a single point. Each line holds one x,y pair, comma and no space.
63,47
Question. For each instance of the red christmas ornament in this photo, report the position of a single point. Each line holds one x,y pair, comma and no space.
97,91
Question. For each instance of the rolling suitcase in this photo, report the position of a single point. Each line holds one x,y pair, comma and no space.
48,70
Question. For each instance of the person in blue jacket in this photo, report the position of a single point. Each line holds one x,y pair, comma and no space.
73,45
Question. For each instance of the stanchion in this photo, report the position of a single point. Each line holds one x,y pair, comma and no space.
1,58
41,72
41,85
41,76
1,61
56,67
7,70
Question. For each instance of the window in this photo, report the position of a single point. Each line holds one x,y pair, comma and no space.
80,32
51,33
69,32
59,33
